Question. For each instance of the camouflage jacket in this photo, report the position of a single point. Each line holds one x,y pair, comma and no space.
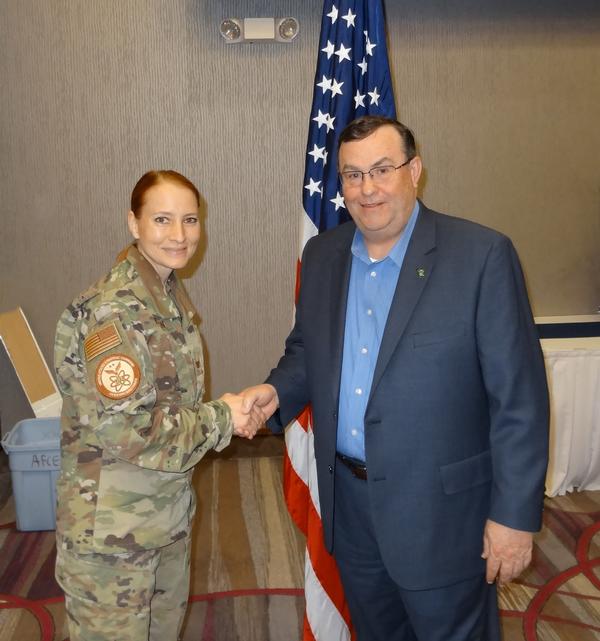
129,362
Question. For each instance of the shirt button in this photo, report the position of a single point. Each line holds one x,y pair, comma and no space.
358,391
373,274
354,432
364,350
369,312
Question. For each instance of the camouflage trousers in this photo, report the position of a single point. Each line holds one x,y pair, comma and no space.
139,596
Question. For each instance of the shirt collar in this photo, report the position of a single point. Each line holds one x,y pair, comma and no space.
396,254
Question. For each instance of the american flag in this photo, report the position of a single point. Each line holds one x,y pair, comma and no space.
352,79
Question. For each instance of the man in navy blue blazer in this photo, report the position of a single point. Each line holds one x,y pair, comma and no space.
415,345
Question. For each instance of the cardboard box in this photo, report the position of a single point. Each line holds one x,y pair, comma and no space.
34,379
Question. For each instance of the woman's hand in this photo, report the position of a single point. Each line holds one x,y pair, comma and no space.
246,419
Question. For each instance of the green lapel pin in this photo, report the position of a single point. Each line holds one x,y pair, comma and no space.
420,272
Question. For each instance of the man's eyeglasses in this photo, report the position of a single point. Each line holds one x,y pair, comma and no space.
379,174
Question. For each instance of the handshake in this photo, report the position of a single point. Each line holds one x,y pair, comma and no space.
251,408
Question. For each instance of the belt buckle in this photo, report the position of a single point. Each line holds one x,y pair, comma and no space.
359,471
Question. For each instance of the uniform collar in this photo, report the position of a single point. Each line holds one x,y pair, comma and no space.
171,299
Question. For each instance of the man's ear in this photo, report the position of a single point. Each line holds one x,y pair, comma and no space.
416,167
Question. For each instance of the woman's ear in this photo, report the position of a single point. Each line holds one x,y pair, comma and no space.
132,223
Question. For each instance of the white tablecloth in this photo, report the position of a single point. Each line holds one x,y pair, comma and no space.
573,370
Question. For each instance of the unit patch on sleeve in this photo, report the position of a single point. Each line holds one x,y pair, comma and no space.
117,376
101,341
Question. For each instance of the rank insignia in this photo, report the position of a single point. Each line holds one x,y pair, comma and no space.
117,376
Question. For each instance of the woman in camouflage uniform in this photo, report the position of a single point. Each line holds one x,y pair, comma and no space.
129,362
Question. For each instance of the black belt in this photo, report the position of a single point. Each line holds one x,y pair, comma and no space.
358,468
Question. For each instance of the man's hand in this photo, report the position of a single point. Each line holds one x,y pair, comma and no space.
247,418
262,396
508,552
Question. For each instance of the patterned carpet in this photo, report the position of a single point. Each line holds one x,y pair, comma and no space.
248,565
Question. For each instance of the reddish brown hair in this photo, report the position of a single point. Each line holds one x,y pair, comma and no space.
153,178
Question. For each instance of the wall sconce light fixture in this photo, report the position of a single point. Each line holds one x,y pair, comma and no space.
238,30
231,29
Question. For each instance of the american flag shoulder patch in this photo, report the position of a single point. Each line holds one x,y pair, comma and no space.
101,341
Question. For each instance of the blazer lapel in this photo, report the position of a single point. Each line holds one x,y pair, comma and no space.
416,269
339,279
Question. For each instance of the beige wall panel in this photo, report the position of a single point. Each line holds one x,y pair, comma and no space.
504,102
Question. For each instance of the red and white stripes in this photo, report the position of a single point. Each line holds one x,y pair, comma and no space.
326,617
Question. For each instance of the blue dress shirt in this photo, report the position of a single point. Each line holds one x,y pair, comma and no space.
370,292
